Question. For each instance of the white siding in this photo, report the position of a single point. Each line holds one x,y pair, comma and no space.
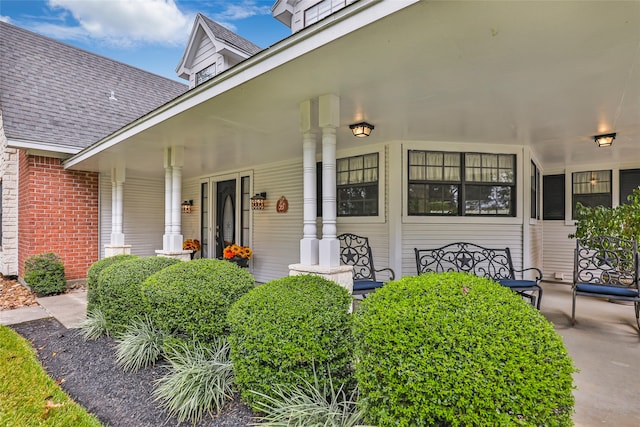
276,236
143,222
191,222
433,235
558,250
535,246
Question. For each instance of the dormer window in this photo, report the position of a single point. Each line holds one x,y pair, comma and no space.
205,74
322,10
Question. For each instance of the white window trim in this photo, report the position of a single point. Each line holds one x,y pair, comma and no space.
382,187
465,148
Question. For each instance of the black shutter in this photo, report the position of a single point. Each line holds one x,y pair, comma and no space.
629,181
553,197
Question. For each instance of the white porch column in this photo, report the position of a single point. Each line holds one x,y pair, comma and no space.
329,120
309,242
172,238
116,245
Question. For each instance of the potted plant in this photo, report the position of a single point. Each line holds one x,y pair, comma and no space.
238,254
192,245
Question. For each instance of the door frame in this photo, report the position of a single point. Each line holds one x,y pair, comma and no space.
212,182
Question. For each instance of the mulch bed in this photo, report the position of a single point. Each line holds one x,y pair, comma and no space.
86,370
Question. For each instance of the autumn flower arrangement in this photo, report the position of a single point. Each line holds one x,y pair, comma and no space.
191,245
233,251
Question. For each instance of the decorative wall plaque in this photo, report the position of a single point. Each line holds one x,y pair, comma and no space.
282,205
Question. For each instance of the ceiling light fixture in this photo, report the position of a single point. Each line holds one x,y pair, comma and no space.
604,140
361,129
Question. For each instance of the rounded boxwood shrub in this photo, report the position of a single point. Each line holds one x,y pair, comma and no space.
191,299
44,273
119,289
284,330
94,272
453,349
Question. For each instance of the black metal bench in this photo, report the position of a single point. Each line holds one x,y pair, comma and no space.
356,251
494,264
606,267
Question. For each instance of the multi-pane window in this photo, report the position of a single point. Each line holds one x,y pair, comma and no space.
357,185
535,191
591,188
205,74
322,10
449,183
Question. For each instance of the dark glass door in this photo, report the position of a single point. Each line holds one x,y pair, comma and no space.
225,215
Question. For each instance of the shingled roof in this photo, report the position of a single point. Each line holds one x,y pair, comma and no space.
230,37
54,93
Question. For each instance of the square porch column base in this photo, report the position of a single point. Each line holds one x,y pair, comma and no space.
181,255
113,250
342,274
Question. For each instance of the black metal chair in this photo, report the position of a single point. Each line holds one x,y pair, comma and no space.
495,264
606,267
356,251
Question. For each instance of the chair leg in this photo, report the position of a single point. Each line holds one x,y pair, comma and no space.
573,309
539,297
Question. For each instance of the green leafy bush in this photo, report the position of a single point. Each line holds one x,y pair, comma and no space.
454,349
283,330
94,272
44,274
622,221
119,289
191,299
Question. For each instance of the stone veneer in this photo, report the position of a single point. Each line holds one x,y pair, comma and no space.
9,180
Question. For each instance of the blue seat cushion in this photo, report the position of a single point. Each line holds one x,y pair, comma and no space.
511,283
366,285
607,290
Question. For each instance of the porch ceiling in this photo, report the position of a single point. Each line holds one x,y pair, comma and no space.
545,74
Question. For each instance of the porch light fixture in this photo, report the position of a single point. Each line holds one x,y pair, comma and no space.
258,201
361,129
604,140
187,205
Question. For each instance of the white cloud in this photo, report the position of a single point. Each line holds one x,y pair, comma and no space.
122,22
234,11
5,19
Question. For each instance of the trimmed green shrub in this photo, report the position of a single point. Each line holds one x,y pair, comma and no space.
454,349
284,330
94,272
44,274
119,289
190,300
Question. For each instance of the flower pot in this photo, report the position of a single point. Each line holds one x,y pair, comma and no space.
239,261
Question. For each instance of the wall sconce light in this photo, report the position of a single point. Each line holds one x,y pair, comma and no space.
258,201
361,129
187,205
604,140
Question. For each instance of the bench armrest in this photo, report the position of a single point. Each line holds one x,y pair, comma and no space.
392,274
538,277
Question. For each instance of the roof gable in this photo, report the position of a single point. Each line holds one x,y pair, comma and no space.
55,94
222,41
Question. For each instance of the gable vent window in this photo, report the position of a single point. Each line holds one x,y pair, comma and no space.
322,10
204,75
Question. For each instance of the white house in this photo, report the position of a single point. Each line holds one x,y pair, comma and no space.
482,111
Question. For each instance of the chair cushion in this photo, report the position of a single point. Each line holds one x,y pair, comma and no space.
365,285
607,290
511,283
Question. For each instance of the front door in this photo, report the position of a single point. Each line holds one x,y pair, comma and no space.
225,215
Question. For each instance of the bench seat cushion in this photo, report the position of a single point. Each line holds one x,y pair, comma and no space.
366,285
511,283
607,290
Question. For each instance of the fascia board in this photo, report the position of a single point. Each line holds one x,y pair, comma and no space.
42,147
298,44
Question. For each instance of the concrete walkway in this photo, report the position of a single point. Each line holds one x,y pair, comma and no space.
604,344
69,309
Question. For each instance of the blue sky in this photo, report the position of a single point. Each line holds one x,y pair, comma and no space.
149,34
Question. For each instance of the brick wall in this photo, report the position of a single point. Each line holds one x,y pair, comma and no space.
58,212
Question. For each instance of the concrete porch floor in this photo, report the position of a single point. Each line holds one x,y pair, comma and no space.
605,346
